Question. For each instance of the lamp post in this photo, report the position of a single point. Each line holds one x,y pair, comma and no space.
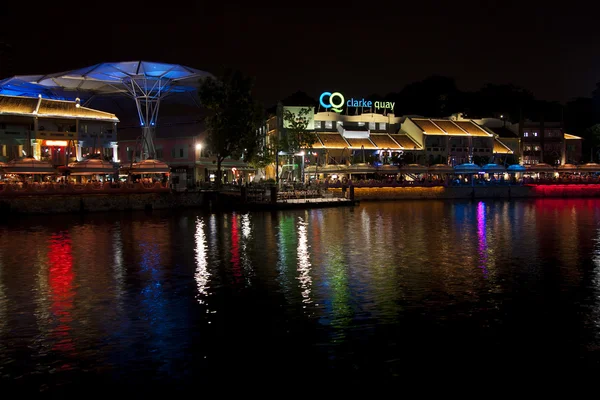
199,150
316,165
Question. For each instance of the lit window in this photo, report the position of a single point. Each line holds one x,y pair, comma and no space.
525,134
328,125
534,133
536,148
527,148
317,124
382,126
372,125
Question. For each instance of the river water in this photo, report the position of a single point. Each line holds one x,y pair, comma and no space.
174,299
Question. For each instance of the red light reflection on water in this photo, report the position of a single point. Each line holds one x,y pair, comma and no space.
61,289
587,190
235,248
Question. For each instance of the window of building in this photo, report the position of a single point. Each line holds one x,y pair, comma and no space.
536,148
525,134
527,148
159,153
361,124
181,152
382,126
535,134
317,124
372,125
328,125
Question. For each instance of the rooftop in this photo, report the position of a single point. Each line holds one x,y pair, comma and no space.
448,127
31,106
569,136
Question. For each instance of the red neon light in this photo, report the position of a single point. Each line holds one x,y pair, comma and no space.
59,143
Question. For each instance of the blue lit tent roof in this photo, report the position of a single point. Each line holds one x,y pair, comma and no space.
17,86
107,78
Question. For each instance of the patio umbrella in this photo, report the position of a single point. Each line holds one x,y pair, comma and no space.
590,167
516,168
467,168
29,166
413,168
540,167
440,169
567,168
494,168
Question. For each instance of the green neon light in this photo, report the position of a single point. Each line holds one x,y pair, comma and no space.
337,107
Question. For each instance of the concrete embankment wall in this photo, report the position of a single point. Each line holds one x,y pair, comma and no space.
73,203
463,192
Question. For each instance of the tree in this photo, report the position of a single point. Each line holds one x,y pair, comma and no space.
265,153
234,117
297,136
593,135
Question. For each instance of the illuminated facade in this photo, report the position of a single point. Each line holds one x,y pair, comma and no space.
536,142
57,131
382,138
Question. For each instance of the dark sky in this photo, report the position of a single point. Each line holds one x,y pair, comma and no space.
358,48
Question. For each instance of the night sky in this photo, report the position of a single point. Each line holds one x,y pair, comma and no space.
358,48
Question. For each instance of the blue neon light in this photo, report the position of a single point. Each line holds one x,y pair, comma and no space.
324,94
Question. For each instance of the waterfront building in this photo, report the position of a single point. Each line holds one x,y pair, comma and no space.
454,142
546,142
57,131
376,137
535,142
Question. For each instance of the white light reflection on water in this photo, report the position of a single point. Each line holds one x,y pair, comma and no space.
366,223
119,270
245,258
304,265
246,229
202,275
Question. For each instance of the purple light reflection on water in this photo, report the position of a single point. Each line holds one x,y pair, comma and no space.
482,241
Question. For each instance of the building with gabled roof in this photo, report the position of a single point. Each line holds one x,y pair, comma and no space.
454,142
58,131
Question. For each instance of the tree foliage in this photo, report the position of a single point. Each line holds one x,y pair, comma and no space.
233,119
297,137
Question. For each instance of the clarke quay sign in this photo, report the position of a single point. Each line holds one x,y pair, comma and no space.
336,101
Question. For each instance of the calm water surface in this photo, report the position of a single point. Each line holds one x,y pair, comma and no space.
176,299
